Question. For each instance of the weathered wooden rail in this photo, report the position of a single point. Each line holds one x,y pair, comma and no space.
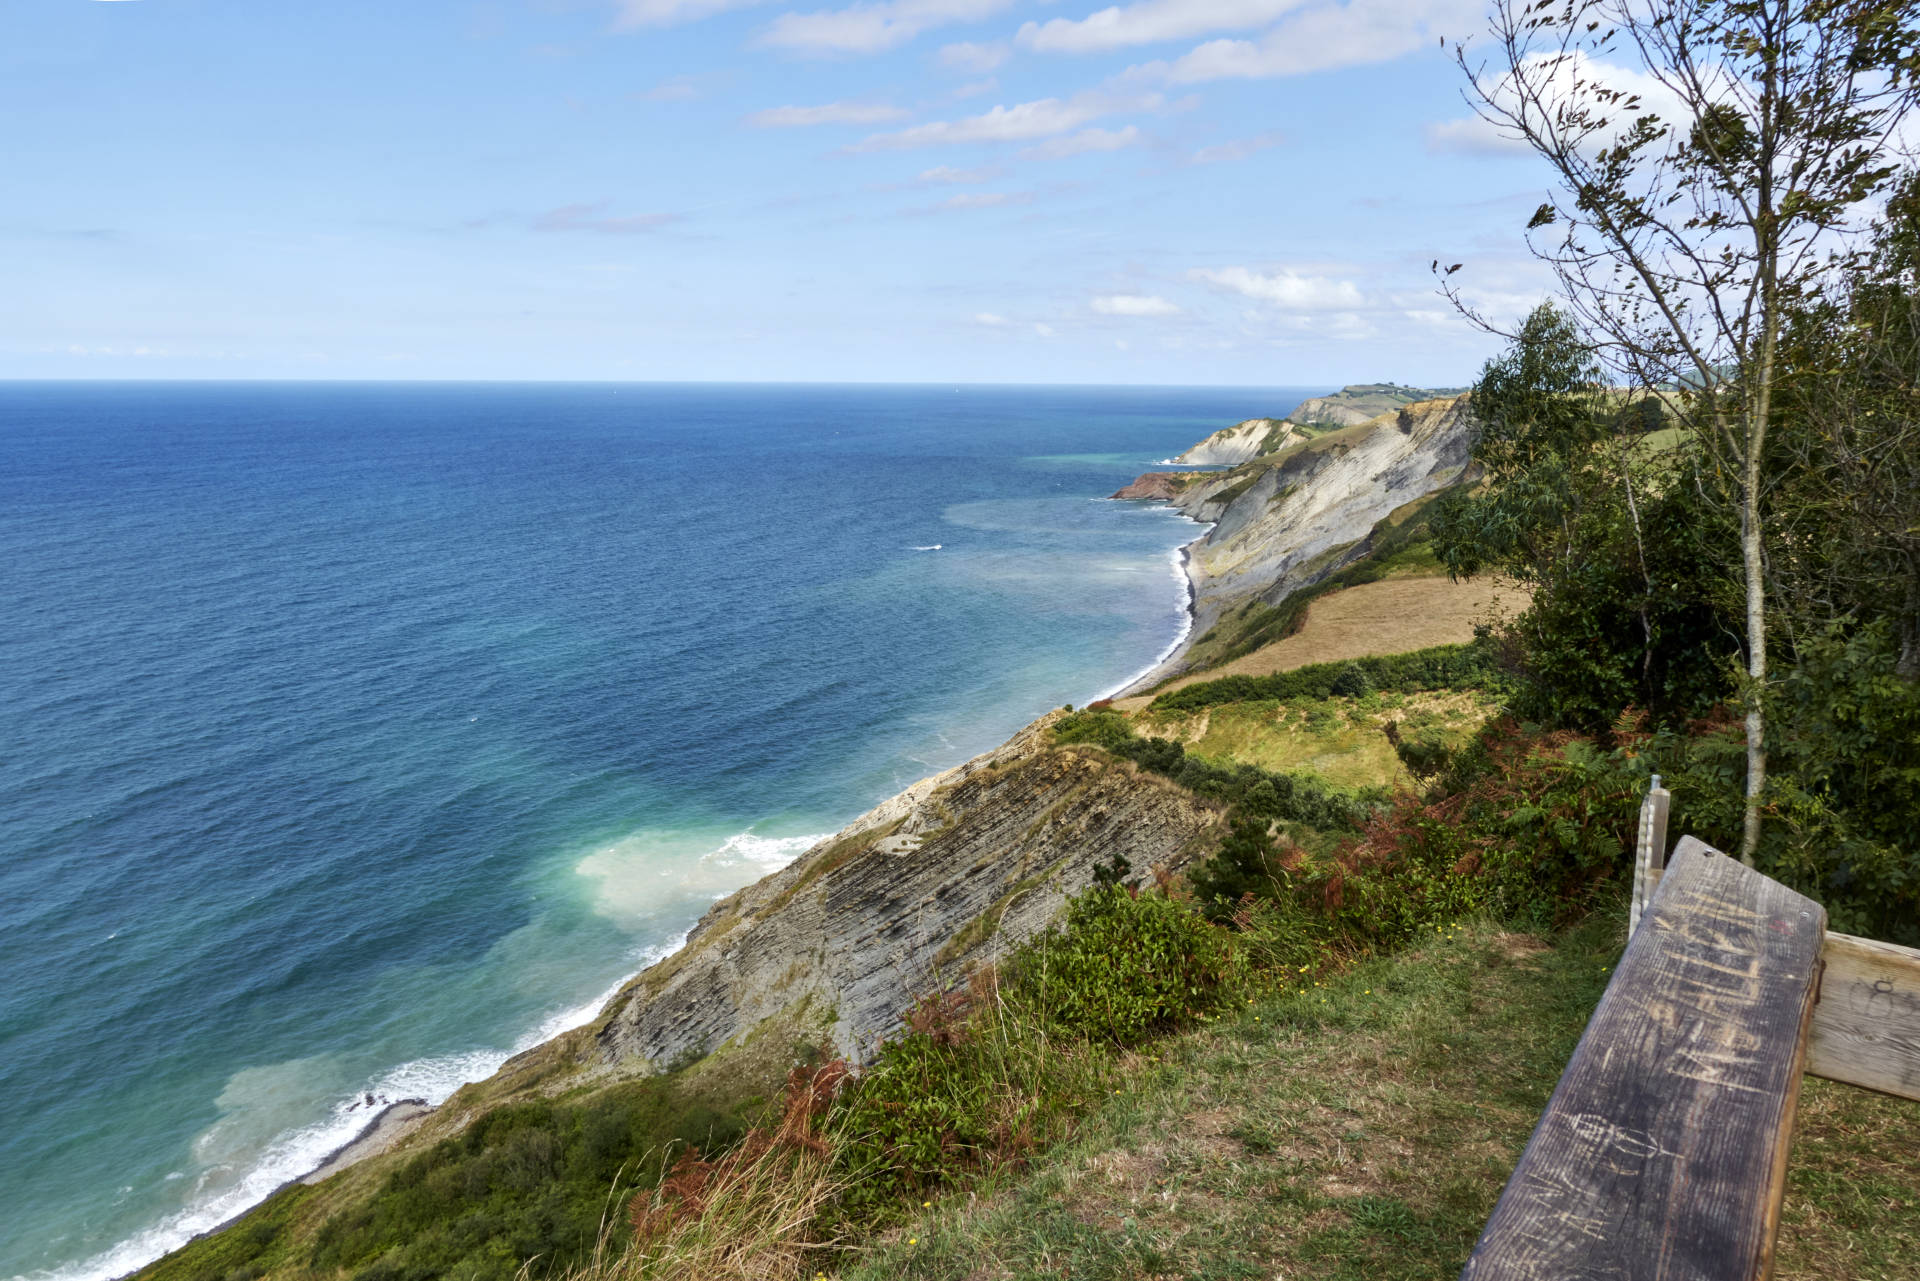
1663,1151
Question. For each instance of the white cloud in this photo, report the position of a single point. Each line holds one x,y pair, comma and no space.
1470,135
974,88
946,174
1133,305
975,59
991,319
827,113
1285,287
1043,330
1024,122
1095,139
1239,149
871,28
1560,80
986,199
666,13
970,200
678,89
1150,22
591,218
1324,38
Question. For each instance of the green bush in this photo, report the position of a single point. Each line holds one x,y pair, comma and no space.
1292,797
1470,666
1244,864
524,1186
1351,681
1122,965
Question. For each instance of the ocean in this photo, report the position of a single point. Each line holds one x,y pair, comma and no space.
358,736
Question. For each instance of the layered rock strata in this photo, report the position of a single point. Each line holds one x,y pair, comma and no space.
903,901
1286,520
1244,440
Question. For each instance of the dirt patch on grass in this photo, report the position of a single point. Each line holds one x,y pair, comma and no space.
1388,617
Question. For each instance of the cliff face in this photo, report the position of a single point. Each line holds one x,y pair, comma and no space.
951,872
1287,520
1237,444
1362,402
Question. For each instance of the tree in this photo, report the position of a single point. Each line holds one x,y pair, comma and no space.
1851,448
1711,158
1597,523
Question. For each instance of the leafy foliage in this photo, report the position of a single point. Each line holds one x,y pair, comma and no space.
528,1181
1471,666
1610,539
1123,965
1259,792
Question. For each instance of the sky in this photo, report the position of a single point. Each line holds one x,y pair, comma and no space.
1231,192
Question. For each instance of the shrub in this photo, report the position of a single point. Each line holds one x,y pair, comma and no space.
1291,797
1470,666
1123,965
1351,682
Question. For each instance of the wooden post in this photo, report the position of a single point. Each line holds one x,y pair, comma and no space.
1866,1028
1650,854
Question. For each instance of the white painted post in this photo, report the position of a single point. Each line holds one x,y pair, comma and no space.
1650,853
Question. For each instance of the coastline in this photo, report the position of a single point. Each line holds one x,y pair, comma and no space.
398,1120
1168,664
393,1123
280,1124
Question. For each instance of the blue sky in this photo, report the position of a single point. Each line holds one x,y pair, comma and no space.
1168,191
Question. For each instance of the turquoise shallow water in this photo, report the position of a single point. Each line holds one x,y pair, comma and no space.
358,736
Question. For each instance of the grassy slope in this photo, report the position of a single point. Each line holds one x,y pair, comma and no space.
1364,1130
1340,740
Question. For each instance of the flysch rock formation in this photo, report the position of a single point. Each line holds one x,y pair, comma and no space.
1237,444
1286,520
906,899
1362,402
961,867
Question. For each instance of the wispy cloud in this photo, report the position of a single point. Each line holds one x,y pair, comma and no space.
975,59
678,89
974,200
1024,122
1284,287
666,13
1325,38
827,113
1150,22
593,218
1238,149
947,174
1133,305
993,320
870,27
1095,139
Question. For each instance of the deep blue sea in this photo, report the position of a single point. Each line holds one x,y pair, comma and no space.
356,737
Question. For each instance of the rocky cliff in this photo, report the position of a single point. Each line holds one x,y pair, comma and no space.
1362,402
1286,520
1243,441
912,894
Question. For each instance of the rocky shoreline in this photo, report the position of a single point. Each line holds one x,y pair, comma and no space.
1285,520
966,863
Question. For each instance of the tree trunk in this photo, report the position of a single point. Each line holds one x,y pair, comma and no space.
1751,555
1756,660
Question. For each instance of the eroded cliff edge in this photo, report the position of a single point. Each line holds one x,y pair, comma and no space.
905,899
1287,519
826,954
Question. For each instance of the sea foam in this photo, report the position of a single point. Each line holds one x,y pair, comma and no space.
223,1190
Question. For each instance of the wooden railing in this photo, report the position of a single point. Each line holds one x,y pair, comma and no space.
1663,1151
